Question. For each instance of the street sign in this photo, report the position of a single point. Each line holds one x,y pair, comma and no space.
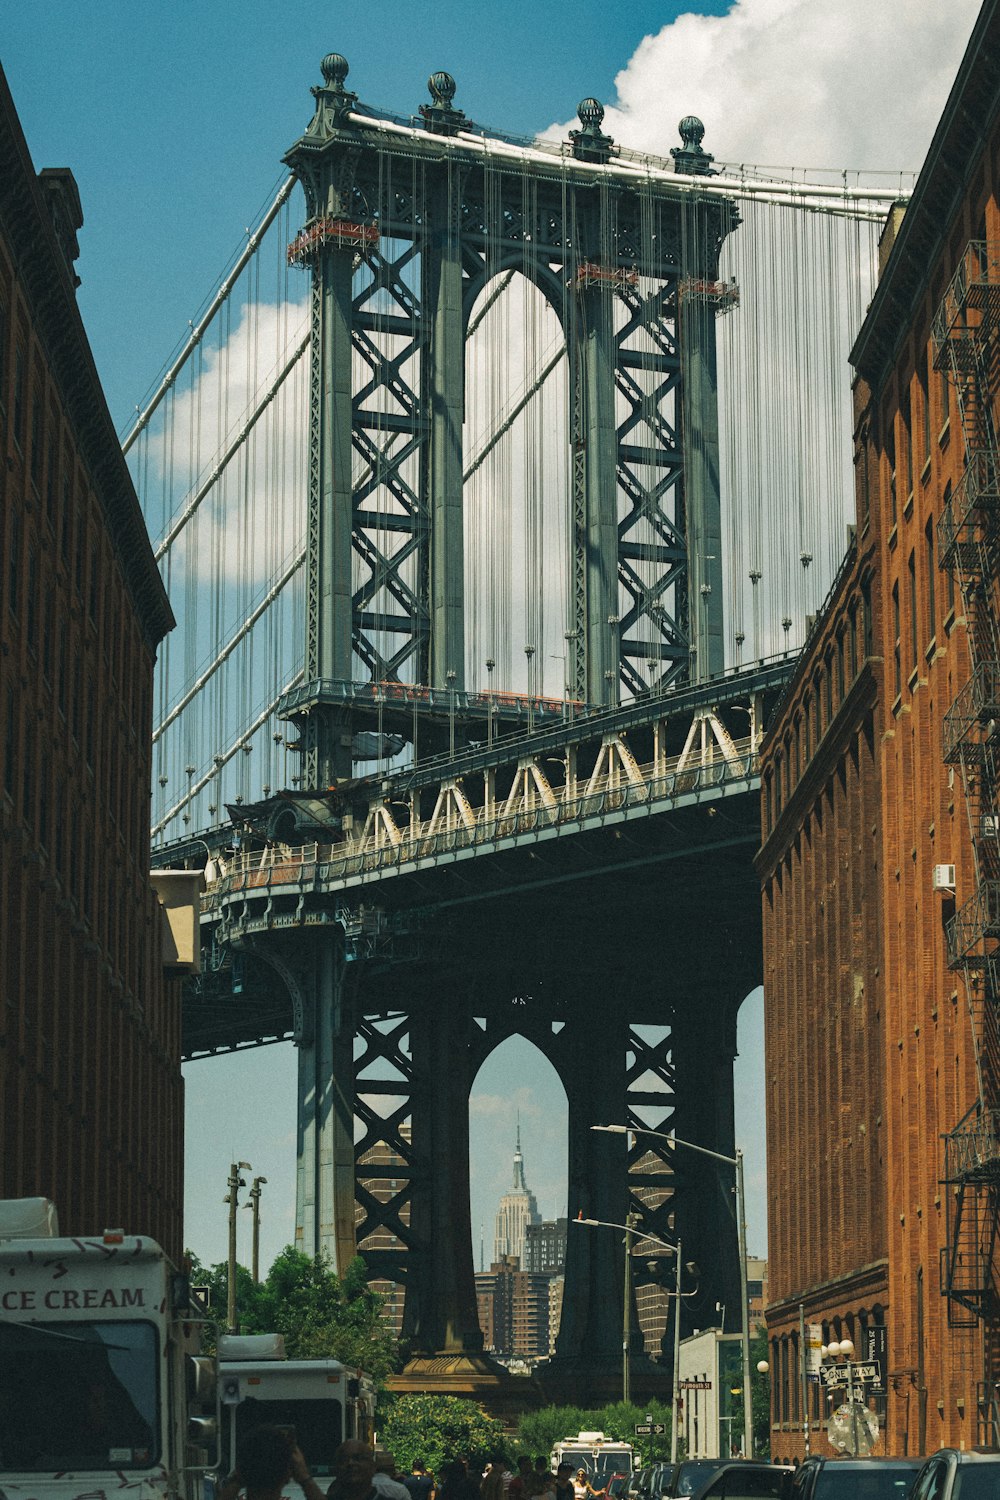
865,1372
814,1343
695,1385
853,1429
651,1429
876,1347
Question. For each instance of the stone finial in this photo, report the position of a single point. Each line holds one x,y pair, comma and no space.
441,87
689,157
590,143
440,115
334,101
335,69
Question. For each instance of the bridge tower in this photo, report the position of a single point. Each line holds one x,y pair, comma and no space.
396,1006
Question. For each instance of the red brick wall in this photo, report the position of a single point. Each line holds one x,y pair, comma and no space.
91,1098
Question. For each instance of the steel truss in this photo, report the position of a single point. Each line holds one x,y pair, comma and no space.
418,236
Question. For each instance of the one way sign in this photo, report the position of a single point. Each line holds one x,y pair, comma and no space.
650,1429
862,1373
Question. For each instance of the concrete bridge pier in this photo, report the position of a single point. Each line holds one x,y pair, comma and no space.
324,1193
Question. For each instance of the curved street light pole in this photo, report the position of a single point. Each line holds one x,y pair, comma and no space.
741,1235
675,1250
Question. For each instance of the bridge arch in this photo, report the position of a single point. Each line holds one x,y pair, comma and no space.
518,1134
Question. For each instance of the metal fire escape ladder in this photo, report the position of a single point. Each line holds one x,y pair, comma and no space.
966,337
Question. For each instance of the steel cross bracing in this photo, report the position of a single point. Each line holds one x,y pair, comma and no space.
401,240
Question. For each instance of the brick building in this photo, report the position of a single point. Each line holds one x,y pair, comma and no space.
91,1098
514,1311
870,1052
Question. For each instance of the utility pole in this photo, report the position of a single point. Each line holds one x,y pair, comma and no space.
631,1220
254,1205
232,1198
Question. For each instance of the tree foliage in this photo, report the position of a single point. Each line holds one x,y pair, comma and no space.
760,1397
321,1315
436,1428
539,1431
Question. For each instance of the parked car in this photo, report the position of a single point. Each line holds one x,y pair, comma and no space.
618,1486
638,1488
854,1478
691,1475
746,1479
949,1474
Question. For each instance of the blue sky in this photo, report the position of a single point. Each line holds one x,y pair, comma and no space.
174,120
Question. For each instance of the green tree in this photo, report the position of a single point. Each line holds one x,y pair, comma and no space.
320,1314
436,1428
539,1431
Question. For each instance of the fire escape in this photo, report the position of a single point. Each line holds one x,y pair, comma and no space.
966,336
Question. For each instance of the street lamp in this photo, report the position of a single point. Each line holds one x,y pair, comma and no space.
235,1182
845,1348
741,1234
254,1206
451,675
632,1221
490,664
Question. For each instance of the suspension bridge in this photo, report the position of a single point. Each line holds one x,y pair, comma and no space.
493,488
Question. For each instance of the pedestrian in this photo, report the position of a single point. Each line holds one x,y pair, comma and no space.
269,1458
518,1487
563,1488
581,1484
384,1479
497,1480
419,1483
354,1472
542,1479
457,1483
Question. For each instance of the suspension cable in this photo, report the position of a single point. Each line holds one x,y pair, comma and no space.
233,448
220,760
198,331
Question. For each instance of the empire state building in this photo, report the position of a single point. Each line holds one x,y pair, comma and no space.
517,1209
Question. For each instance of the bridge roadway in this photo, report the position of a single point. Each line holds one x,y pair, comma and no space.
482,825
589,887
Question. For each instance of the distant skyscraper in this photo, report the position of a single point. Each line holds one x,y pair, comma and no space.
517,1210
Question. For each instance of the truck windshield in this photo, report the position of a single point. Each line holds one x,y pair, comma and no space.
78,1396
613,1461
318,1426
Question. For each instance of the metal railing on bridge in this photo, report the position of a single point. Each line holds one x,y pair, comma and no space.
534,806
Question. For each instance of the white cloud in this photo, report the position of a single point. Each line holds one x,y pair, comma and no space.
810,83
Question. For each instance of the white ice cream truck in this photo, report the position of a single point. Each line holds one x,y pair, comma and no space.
101,1385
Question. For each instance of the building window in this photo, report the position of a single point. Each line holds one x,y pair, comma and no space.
19,401
14,562
866,618
949,577
911,569
92,606
852,641
905,417
931,564
31,601
890,453
36,440
897,661
944,396
52,480
10,744
925,406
